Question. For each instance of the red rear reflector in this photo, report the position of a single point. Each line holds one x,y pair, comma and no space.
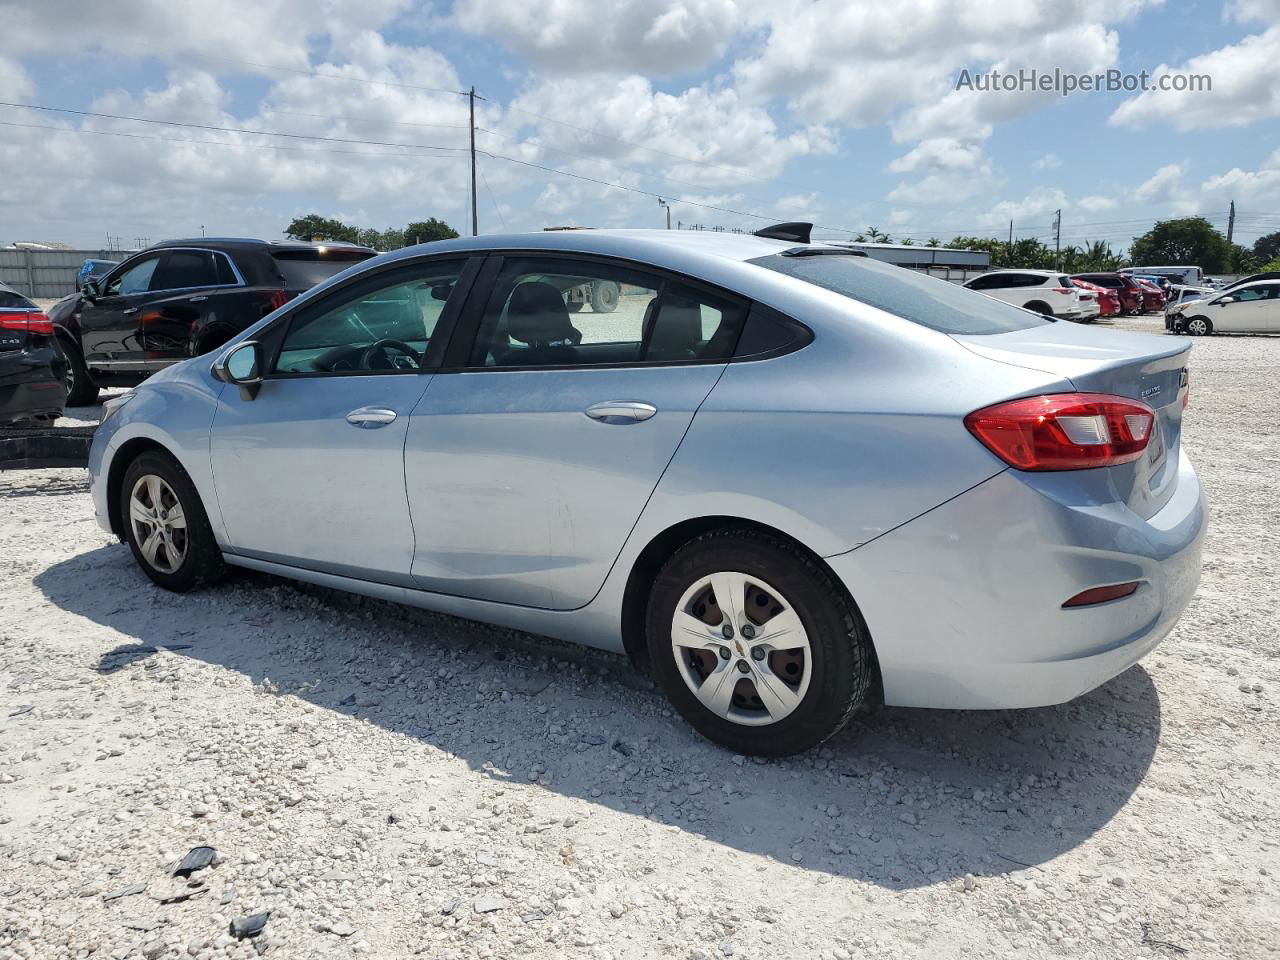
1064,431
28,321
1102,594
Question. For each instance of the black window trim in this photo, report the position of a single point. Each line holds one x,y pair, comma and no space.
273,336
465,332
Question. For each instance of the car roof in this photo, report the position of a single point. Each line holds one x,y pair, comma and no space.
1035,272
643,245
248,243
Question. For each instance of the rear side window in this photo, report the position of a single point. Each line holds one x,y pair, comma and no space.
561,312
180,269
928,301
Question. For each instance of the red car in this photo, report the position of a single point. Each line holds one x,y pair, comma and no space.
1108,299
1131,298
1153,298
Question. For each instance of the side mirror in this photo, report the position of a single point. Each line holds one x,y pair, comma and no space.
241,365
90,290
1225,300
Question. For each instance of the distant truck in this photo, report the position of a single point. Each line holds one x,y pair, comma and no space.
1185,276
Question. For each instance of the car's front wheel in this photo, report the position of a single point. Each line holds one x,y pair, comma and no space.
1198,326
756,644
166,525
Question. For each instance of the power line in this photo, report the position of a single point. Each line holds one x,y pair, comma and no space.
217,143
338,76
243,130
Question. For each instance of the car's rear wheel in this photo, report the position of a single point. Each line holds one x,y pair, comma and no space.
1198,326
81,389
166,524
756,644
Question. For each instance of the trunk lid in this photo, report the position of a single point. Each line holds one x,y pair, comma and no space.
1139,366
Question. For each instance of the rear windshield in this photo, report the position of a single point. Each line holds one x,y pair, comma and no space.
12,300
928,301
302,269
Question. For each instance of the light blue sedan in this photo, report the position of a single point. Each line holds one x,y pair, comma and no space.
782,477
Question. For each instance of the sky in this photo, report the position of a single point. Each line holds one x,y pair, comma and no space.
737,113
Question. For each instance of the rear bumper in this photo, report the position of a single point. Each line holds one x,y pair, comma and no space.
964,604
30,387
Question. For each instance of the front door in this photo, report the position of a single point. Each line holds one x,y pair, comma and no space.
1247,310
109,324
528,468
310,472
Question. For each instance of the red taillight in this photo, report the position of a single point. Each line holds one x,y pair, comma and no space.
1102,594
1062,289
1064,431
26,321
278,299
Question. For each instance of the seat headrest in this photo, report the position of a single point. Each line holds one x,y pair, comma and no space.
536,315
677,334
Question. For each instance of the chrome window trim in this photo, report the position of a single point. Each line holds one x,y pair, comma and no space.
161,251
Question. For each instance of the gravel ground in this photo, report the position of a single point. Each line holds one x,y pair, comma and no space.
391,783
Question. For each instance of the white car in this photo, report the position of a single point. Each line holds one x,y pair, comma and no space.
1251,308
1042,291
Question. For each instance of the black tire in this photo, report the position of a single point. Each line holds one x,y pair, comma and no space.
1041,308
575,306
843,661
202,561
81,390
1192,326
604,296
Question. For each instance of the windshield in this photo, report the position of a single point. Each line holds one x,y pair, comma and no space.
928,301
302,269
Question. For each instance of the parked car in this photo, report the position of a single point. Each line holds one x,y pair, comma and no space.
1043,291
180,299
1252,308
1163,284
1181,295
1108,300
1268,275
31,368
788,478
1131,299
93,270
1153,298
1177,274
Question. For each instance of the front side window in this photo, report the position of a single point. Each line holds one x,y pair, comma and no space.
1253,293
562,312
381,326
136,279
928,301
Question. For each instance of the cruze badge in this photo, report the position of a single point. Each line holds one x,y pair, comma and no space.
1150,391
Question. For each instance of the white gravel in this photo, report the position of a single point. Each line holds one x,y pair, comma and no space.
389,783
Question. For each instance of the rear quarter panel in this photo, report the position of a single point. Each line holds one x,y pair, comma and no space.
845,439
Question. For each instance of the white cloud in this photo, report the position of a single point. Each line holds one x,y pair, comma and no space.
1050,161
203,32
1095,203
1247,186
1162,186
1246,11
1039,203
1245,88
626,121
621,36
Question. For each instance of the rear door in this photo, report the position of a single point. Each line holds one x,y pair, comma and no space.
530,459
188,287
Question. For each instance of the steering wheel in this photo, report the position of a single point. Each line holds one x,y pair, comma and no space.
366,358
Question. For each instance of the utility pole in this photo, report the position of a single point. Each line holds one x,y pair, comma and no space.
667,206
1057,240
1231,221
475,220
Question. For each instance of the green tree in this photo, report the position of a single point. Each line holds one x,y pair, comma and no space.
877,236
1267,248
313,226
933,242
1184,241
425,231
1242,259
